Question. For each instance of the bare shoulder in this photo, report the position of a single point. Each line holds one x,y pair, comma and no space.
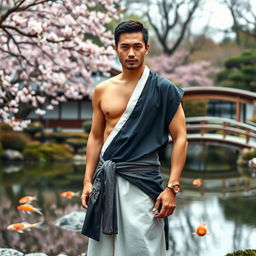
101,87
104,87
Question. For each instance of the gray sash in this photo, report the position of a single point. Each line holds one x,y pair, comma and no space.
143,173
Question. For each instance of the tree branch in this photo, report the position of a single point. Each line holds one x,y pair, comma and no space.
32,35
20,9
11,36
16,56
184,27
165,8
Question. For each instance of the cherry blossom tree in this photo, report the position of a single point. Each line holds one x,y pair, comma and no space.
49,50
176,69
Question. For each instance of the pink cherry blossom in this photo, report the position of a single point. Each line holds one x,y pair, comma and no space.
48,51
192,74
40,112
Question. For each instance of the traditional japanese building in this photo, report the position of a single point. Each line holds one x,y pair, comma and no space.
71,114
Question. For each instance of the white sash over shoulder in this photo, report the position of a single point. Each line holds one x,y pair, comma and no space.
129,109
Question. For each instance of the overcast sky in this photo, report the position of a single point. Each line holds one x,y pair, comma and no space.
218,17
214,13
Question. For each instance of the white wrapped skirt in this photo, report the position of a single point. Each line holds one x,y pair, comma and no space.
139,234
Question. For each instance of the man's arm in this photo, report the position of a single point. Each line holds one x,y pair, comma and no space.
94,145
177,130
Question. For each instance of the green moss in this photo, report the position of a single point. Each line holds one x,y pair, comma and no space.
77,143
5,127
54,152
33,154
47,152
13,140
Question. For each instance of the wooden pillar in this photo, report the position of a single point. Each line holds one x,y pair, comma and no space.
238,107
202,129
225,127
247,138
254,109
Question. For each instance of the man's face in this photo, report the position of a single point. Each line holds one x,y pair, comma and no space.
131,50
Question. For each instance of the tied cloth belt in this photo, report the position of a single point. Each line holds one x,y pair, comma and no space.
143,173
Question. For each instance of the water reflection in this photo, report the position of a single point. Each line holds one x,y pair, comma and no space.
225,203
225,235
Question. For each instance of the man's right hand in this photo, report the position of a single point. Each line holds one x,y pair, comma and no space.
86,193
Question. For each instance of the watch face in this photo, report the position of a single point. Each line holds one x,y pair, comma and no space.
176,189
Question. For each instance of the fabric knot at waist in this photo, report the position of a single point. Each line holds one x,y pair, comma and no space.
134,172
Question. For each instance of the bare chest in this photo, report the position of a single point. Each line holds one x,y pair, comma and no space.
114,101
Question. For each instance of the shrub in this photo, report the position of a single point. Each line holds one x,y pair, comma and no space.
59,137
5,127
243,253
32,153
222,75
46,152
196,108
77,143
87,126
33,128
245,155
54,152
62,137
248,154
239,72
41,136
13,140
79,135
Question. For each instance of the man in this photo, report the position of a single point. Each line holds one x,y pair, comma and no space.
133,114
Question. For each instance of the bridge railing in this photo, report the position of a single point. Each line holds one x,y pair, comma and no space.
223,125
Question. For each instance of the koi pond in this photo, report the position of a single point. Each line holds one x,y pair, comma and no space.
225,202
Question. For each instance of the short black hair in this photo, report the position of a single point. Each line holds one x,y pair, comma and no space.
130,26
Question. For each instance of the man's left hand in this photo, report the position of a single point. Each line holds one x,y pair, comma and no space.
167,201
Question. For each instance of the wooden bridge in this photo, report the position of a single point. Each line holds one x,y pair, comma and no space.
237,96
239,132
222,130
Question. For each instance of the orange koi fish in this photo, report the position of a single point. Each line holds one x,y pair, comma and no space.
29,208
23,226
27,199
201,230
69,194
197,182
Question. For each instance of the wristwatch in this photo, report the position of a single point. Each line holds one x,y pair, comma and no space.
175,187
